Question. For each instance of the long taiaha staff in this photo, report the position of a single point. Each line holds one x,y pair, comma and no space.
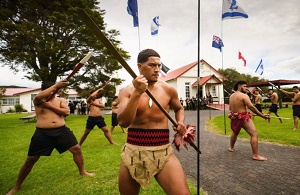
97,31
262,91
227,92
280,90
75,70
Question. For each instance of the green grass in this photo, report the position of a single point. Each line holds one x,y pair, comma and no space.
58,174
275,132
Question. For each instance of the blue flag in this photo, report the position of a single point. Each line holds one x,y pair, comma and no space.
217,43
154,25
132,9
231,10
260,68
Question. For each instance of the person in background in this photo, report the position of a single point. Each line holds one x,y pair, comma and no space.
114,114
95,117
239,101
50,132
274,107
296,104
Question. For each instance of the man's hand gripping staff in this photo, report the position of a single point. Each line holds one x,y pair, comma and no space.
75,70
97,31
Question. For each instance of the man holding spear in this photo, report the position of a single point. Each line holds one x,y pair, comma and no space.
148,152
274,107
51,132
295,96
95,116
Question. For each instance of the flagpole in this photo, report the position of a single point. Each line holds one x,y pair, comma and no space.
223,73
198,103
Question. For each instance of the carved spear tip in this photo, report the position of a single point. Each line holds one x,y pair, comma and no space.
86,58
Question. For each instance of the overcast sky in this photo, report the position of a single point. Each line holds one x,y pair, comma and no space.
271,33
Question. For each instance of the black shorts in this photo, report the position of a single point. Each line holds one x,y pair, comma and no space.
114,119
296,110
44,141
258,107
95,120
273,108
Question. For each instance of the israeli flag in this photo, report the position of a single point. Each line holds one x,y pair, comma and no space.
231,10
154,25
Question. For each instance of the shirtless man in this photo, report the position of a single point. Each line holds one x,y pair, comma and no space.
240,118
50,133
296,104
95,117
257,101
147,152
114,114
274,107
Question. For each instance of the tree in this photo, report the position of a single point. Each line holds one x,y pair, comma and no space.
233,76
46,39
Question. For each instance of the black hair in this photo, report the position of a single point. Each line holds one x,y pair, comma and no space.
115,97
145,54
271,89
239,83
46,84
295,87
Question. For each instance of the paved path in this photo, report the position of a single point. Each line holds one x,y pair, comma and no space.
223,172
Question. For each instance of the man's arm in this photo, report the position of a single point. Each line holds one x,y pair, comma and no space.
249,105
40,97
179,111
129,99
62,109
97,103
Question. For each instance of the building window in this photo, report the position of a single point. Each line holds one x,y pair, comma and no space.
187,89
11,101
214,91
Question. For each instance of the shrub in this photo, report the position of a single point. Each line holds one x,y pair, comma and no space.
19,108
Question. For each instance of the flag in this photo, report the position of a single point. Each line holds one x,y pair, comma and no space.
241,57
154,25
260,67
231,10
217,43
132,9
164,69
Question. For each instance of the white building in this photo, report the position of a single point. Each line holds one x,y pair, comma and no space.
185,80
25,96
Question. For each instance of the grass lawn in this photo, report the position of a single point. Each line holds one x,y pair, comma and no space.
58,174
275,132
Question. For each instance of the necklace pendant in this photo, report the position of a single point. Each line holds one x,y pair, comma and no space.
150,102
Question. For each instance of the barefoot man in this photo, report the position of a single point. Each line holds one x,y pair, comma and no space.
50,133
95,117
114,114
240,118
274,107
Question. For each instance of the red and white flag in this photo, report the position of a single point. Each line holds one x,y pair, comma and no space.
241,57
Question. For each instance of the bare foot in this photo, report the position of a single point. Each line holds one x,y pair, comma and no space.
13,191
259,158
88,174
230,149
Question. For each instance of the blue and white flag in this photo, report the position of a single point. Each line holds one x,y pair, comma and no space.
231,10
217,43
154,25
132,9
260,68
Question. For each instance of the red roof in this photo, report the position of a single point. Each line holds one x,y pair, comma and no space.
180,71
205,79
14,91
